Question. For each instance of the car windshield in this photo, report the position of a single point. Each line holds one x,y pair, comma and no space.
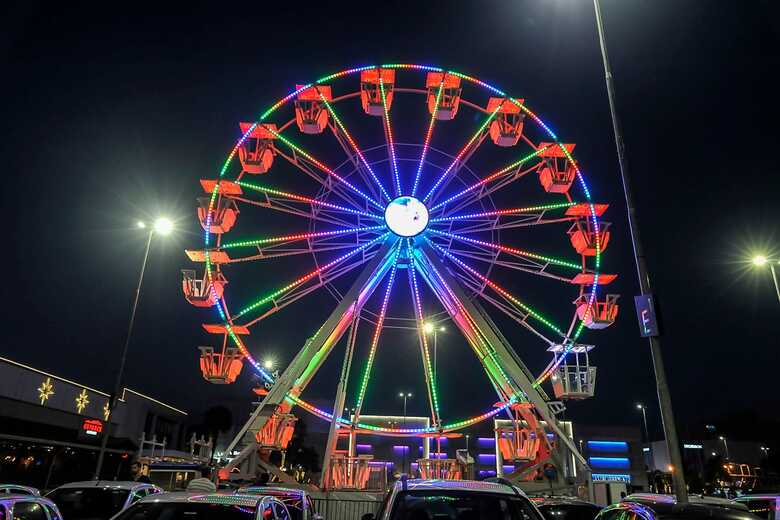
569,511
186,511
445,505
89,503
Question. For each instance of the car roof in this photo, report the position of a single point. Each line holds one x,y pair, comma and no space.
108,484
561,500
459,485
271,490
658,498
206,498
31,490
10,497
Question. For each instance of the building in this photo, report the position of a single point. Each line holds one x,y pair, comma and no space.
616,458
51,427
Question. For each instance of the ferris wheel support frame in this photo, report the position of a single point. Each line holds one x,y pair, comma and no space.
314,352
519,376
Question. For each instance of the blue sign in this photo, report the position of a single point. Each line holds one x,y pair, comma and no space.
645,313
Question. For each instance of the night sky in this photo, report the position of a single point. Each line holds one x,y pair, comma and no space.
111,116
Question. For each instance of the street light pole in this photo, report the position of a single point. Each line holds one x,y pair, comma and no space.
664,397
725,445
644,418
761,261
162,226
405,396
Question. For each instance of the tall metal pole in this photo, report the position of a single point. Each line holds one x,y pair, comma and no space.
774,277
644,418
118,384
403,465
664,398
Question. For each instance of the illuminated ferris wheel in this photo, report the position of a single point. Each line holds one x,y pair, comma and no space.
446,216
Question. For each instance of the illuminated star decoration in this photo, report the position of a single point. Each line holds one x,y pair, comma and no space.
82,401
106,411
46,390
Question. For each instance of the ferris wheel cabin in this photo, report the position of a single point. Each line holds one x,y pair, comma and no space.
523,440
449,101
223,215
556,173
573,381
371,92
220,368
256,153
201,292
584,237
597,315
311,113
507,125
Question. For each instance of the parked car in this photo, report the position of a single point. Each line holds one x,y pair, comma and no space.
16,489
565,508
27,507
193,506
98,499
298,501
648,506
765,505
455,500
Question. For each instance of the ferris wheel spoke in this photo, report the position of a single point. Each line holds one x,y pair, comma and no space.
353,144
377,331
428,135
321,166
305,278
316,213
301,291
433,396
513,169
468,148
389,137
498,289
268,191
521,264
507,308
509,250
299,236
284,249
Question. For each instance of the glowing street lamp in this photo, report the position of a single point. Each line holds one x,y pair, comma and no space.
760,261
430,328
268,364
162,226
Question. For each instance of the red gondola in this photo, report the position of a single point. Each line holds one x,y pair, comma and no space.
599,315
311,114
556,173
449,101
370,92
223,215
507,125
583,236
256,153
198,291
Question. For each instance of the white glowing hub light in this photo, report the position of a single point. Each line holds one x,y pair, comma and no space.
406,216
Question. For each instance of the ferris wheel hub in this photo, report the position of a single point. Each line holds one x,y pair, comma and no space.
406,216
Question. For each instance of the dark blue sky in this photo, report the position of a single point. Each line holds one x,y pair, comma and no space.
114,115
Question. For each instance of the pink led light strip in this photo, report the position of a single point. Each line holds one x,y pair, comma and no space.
389,130
461,153
428,135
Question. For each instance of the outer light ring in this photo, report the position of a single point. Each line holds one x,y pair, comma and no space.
224,313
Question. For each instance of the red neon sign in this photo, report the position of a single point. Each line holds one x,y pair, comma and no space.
92,426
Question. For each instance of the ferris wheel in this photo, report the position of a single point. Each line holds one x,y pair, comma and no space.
379,218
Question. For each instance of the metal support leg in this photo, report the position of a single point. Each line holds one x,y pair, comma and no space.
519,375
315,351
338,405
